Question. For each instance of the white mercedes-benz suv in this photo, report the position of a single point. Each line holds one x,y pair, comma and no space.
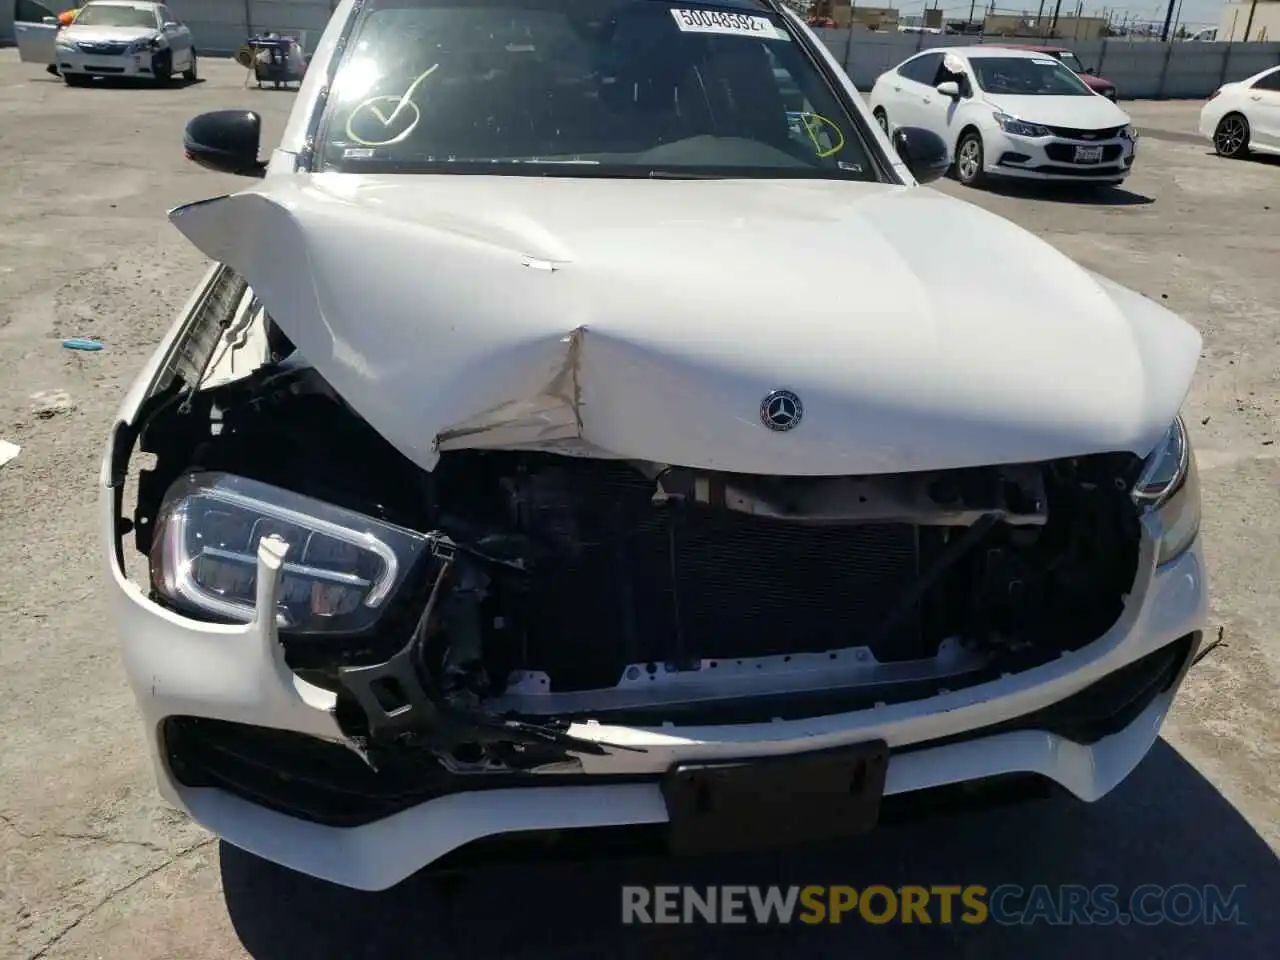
511,473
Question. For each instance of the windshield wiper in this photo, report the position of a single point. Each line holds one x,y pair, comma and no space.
683,175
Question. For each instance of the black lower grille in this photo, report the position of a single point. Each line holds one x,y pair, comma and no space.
1066,152
656,583
327,783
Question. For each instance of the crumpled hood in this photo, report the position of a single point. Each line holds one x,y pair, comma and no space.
648,319
1082,113
93,34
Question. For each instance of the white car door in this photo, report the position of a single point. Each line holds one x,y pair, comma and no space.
939,112
908,87
177,35
1262,107
34,27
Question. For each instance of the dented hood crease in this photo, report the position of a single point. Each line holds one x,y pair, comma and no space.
649,319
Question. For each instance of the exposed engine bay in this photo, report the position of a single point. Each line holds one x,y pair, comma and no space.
547,589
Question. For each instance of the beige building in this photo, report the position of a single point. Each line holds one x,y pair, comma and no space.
1029,28
1235,17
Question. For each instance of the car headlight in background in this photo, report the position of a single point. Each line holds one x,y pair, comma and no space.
1170,485
150,43
340,570
1020,128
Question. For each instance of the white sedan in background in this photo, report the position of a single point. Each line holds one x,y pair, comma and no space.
108,38
1244,116
1006,112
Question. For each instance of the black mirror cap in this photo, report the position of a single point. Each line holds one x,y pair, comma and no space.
923,151
226,141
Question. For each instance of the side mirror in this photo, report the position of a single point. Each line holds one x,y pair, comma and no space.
923,151
226,141
171,25
1090,71
949,88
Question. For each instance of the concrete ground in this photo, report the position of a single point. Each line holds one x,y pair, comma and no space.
93,865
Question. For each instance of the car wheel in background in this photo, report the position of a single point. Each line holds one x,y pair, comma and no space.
75,79
192,73
970,159
882,119
1231,137
162,66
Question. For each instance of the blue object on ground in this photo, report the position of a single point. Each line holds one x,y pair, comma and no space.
76,343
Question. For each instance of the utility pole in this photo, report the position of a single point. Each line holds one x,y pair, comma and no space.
1056,9
1168,16
1249,23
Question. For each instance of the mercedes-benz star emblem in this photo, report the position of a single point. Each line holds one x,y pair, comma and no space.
781,410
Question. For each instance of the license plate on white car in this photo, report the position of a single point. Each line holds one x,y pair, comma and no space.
1088,155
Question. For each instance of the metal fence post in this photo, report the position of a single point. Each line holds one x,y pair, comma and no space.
1227,48
1164,70
248,20
1102,57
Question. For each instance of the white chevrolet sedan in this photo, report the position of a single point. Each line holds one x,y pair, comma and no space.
109,38
1244,116
498,482
1010,113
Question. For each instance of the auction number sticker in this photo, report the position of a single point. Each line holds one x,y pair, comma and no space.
721,21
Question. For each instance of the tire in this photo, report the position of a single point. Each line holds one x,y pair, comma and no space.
192,73
162,66
75,79
882,119
970,158
1231,136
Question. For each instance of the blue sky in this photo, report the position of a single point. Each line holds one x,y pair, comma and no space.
1200,12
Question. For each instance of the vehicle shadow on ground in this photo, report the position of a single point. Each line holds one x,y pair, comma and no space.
1083,194
127,83
1166,825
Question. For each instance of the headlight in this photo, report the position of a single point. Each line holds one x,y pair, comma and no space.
1020,128
63,44
1130,132
1170,485
341,569
150,43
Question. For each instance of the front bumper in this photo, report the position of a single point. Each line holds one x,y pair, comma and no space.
1055,158
184,668
106,64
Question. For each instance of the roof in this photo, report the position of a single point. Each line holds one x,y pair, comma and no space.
990,50
1037,47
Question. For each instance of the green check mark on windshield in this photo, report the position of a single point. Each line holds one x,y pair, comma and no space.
387,119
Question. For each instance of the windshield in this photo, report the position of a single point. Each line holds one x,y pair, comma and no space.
1027,77
584,88
1071,61
104,15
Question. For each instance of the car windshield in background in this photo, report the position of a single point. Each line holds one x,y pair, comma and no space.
102,15
584,88
1027,77
1071,61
